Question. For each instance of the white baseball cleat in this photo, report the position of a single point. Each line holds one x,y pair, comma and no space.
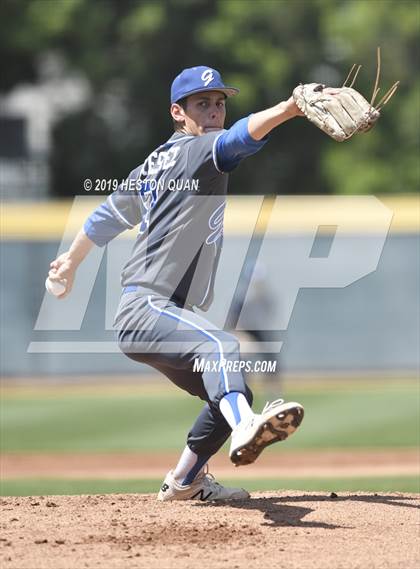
277,421
203,488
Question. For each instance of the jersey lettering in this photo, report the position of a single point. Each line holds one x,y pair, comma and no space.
148,196
155,163
216,224
159,161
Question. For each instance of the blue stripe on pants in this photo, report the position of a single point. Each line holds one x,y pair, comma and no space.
204,332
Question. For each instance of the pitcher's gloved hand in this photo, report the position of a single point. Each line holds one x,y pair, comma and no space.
341,112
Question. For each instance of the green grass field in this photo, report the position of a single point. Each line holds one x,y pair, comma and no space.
39,487
342,415
382,417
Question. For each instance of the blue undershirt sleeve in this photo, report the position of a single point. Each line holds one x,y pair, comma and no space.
102,225
119,212
234,145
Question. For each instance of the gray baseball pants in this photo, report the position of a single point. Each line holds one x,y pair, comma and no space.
156,331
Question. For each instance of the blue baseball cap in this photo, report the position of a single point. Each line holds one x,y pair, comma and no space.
198,79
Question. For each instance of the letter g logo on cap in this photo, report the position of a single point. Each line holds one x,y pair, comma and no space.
207,76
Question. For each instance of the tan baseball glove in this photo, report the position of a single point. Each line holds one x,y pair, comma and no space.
341,112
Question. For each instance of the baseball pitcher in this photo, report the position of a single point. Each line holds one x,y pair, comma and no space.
177,197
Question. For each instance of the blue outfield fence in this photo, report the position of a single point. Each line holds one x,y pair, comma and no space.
339,274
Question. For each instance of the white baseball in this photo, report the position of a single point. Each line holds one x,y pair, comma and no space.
55,288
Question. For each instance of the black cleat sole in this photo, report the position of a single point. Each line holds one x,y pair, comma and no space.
277,428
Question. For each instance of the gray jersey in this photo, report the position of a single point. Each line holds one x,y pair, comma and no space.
177,196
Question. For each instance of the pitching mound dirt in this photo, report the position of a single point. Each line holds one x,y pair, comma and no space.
283,529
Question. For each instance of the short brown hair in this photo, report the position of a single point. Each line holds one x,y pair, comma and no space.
182,103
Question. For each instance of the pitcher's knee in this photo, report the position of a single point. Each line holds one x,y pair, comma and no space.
226,348
230,343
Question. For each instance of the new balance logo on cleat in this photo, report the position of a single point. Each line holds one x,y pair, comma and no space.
203,488
202,497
